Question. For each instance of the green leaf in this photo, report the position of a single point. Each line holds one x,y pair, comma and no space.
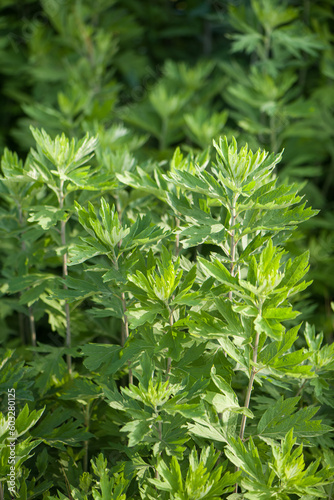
269,327
138,315
204,480
47,216
59,428
34,293
172,477
25,420
137,431
66,155
145,182
50,368
280,313
80,389
80,253
98,354
295,270
280,417
247,459
141,233
219,271
277,356
204,429
227,401
107,229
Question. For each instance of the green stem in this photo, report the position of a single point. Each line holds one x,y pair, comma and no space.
301,388
32,326
30,309
65,273
125,321
125,332
125,328
67,483
248,394
233,242
177,239
169,360
86,443
171,320
232,266
160,439
232,251
250,386
21,326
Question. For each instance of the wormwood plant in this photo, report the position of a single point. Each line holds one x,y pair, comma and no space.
56,169
201,332
209,391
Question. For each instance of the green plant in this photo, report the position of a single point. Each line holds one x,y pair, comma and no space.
210,342
174,279
280,94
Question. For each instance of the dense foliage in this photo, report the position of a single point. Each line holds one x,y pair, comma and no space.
166,289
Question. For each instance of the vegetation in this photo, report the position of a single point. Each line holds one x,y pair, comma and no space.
166,292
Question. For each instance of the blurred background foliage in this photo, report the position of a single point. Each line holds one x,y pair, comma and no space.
151,76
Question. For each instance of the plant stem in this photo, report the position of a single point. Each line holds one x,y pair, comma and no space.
21,326
301,388
32,327
68,486
169,364
65,273
233,242
169,360
232,266
125,332
160,439
30,309
177,239
125,321
171,321
250,386
248,395
86,444
125,326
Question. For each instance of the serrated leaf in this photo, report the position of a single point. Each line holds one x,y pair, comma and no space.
98,354
137,431
269,327
25,420
206,430
246,458
282,416
47,216
219,271
59,428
